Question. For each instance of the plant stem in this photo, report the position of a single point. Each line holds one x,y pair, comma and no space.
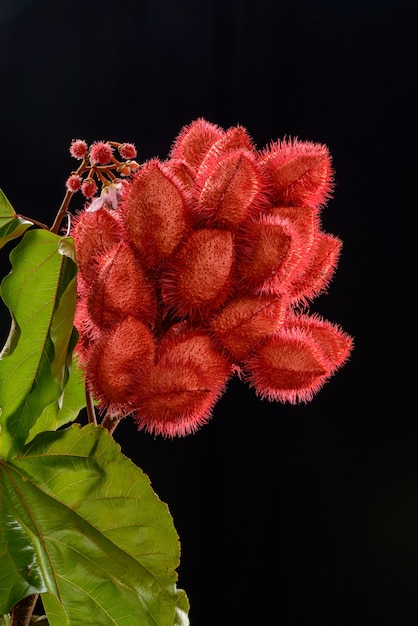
22,611
66,201
61,212
110,422
91,412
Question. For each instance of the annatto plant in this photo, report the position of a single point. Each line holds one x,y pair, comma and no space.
175,275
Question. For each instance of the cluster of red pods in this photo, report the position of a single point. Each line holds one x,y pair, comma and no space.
202,266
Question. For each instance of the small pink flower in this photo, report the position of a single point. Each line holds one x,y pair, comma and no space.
109,198
101,153
78,148
73,183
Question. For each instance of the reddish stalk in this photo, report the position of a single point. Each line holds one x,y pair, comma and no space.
22,612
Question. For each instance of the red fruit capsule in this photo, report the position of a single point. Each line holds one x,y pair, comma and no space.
155,212
245,321
94,234
194,141
183,343
118,361
120,289
235,138
289,366
334,342
232,191
317,274
300,172
174,399
270,255
198,278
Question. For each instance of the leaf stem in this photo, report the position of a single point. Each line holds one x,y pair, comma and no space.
22,611
30,219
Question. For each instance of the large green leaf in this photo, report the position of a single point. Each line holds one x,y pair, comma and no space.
11,225
64,410
101,544
40,293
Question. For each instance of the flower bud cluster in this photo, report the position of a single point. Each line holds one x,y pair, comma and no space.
99,163
197,267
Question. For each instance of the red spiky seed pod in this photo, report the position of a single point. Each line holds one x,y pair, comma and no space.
118,362
226,239
194,140
235,138
305,221
245,321
271,253
198,278
94,234
231,190
300,172
289,366
155,212
183,172
335,343
192,344
321,266
121,288
174,399
178,394
89,333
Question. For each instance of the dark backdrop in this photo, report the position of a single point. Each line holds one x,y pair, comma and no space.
295,516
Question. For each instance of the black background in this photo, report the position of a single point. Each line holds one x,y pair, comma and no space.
287,515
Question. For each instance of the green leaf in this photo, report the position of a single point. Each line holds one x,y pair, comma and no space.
101,541
40,293
11,225
66,409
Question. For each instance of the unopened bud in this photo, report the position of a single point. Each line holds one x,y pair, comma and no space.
127,151
101,153
73,183
78,148
89,188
